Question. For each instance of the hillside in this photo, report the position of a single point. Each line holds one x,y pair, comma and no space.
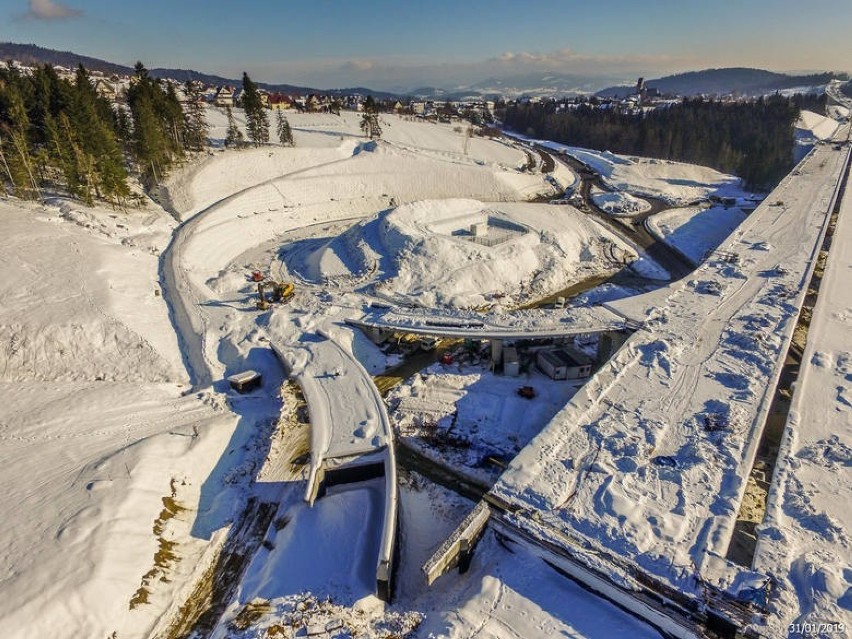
724,81
32,54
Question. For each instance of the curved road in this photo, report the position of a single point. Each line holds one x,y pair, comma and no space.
183,298
634,229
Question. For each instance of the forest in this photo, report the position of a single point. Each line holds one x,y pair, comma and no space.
751,139
60,134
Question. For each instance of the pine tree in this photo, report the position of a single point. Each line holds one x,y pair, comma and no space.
285,134
196,127
157,124
61,133
234,137
100,153
257,123
14,143
370,125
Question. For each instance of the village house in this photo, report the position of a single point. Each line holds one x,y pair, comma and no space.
280,102
106,89
224,97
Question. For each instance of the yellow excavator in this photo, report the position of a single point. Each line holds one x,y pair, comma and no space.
278,292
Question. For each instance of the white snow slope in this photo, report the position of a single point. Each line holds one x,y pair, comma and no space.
695,231
93,431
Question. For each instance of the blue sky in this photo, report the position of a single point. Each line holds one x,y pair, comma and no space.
392,44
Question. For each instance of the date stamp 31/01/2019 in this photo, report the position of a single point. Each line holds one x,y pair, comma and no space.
812,629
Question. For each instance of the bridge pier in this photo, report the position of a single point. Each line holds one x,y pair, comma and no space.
610,342
496,353
457,550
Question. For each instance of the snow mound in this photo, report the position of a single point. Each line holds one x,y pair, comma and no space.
619,203
456,252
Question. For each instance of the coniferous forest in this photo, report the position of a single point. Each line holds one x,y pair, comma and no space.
61,134
751,139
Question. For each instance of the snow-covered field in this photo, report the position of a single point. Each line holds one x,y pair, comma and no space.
95,433
128,460
124,479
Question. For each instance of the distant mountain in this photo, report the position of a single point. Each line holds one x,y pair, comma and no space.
725,81
539,85
707,82
31,54
426,92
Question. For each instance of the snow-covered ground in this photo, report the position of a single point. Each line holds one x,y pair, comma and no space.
122,479
815,126
695,231
507,592
122,483
461,413
426,253
812,128
674,182
98,444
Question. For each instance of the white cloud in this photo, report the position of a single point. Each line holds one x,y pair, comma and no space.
49,10
357,65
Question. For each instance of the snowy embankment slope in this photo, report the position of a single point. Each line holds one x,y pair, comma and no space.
810,129
94,434
79,299
816,127
805,542
695,231
632,463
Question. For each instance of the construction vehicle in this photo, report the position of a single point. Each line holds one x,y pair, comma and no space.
279,292
527,392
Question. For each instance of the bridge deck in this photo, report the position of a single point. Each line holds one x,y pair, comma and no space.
811,493
536,324
348,422
649,461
